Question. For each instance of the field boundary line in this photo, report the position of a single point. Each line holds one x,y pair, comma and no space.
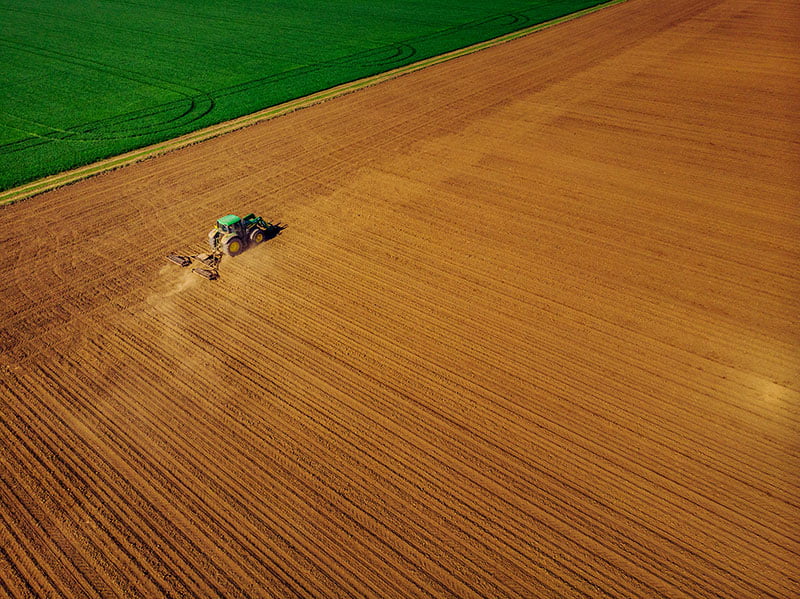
62,179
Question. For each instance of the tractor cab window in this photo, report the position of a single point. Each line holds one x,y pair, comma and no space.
229,224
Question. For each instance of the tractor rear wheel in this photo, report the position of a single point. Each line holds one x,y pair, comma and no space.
233,247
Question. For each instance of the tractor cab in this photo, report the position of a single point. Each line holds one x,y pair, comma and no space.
229,224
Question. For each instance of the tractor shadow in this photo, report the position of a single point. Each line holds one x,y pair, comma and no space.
273,230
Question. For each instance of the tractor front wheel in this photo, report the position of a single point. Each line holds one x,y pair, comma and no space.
233,247
257,236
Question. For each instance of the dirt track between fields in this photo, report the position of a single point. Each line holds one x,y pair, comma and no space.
532,331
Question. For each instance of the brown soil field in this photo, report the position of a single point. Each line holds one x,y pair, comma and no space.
532,330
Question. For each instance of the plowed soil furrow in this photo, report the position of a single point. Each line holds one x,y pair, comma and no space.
312,412
759,474
531,331
56,572
443,273
189,458
218,521
161,561
444,489
221,483
77,571
500,298
167,520
407,411
102,549
616,286
133,353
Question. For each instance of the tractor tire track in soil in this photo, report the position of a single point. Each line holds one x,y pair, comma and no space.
531,331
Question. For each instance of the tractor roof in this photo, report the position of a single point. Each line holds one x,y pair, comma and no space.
231,219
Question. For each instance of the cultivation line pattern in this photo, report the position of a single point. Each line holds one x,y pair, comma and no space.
531,331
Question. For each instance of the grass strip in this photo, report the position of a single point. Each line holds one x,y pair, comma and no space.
71,176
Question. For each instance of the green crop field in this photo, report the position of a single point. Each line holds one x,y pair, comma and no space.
87,79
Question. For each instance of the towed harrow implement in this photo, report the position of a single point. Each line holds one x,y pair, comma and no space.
231,235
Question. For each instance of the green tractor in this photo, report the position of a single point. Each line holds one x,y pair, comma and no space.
231,235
